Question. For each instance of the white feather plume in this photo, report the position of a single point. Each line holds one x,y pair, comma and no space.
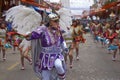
65,19
23,20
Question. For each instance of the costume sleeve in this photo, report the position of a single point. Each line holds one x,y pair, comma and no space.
37,33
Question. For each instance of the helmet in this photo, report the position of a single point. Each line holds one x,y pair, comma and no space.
53,16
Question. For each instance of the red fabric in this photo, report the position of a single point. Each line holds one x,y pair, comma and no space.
112,37
12,33
107,34
80,38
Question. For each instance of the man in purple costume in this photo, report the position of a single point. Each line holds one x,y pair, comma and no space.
48,48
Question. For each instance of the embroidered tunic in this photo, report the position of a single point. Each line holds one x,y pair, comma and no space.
51,47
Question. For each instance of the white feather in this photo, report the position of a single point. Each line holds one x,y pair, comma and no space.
23,20
65,19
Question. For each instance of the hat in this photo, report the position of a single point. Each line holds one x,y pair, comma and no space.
53,16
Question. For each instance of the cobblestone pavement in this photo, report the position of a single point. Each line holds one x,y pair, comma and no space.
94,64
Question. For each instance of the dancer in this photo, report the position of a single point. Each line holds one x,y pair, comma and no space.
18,41
25,53
76,35
3,40
51,46
48,45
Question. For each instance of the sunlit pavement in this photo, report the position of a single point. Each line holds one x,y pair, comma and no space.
94,64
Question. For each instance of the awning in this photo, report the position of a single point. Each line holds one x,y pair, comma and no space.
32,2
112,4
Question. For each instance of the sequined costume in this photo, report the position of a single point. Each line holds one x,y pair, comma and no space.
77,34
47,47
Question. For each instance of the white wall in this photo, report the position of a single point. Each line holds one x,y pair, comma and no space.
66,3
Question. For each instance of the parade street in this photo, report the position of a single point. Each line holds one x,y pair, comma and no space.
94,64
